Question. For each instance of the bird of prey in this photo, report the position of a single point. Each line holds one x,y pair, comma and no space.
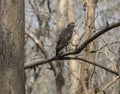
65,37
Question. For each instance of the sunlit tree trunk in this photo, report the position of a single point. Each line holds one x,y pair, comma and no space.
73,65
87,69
12,47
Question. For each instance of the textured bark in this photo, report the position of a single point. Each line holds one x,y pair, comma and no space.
12,47
73,70
61,15
87,69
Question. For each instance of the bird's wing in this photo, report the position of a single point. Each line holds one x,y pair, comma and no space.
64,39
61,36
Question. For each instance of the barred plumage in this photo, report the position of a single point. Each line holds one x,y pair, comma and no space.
65,37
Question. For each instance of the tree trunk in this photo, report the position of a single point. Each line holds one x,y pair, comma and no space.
87,69
73,65
12,47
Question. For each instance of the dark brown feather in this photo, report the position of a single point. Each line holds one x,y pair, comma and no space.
64,37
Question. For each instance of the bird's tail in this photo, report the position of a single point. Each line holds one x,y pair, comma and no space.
57,52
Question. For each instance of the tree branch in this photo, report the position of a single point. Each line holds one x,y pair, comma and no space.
110,83
41,62
93,37
36,41
93,63
78,50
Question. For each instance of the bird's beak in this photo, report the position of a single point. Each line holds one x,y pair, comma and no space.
73,24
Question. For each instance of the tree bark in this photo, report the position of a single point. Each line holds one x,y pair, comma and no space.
73,66
12,47
86,71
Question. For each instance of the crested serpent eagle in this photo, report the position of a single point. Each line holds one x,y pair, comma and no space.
65,37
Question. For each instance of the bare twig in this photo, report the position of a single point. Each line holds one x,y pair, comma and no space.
105,45
36,41
111,83
48,4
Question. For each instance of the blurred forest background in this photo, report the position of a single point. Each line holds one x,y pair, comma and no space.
45,20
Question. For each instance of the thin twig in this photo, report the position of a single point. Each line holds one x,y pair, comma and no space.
111,83
36,41
105,45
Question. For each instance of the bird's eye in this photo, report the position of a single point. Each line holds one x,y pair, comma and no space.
68,34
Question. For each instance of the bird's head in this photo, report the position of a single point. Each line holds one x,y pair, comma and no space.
72,24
